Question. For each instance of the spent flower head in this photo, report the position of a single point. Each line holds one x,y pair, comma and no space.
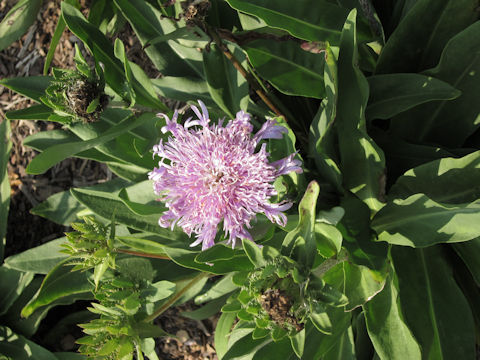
209,173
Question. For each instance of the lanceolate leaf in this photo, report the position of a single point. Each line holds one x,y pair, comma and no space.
12,284
34,112
417,42
146,21
106,204
344,349
390,336
17,21
222,330
60,282
300,243
392,94
40,260
228,88
435,309
322,137
449,123
469,252
419,222
448,180
183,89
313,20
57,153
17,347
363,162
61,208
5,146
287,67
358,237
32,87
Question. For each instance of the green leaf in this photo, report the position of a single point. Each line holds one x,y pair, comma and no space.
146,330
435,309
392,94
344,349
449,122
357,282
13,319
363,162
105,204
139,208
128,148
318,344
148,24
222,330
61,208
183,89
469,252
120,54
187,258
403,155
17,21
420,222
357,235
34,112
227,87
39,260
288,68
32,87
212,308
300,243
216,252
307,19
59,283
447,180
144,245
44,139
416,45
321,321
57,153
99,271
322,135
298,342
329,239
14,346
12,284
5,146
222,287
254,253
390,336
59,29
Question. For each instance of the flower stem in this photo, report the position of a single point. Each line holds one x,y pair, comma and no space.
174,298
142,254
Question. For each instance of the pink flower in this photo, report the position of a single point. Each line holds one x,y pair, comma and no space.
212,173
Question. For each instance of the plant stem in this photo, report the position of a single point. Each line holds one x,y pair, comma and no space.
248,76
174,298
142,254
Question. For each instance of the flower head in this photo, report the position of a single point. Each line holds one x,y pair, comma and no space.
213,173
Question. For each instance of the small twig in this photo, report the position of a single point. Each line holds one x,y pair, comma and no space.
174,298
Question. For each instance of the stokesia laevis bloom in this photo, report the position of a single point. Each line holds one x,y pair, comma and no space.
213,173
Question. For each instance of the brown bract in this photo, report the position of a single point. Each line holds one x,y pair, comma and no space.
278,304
